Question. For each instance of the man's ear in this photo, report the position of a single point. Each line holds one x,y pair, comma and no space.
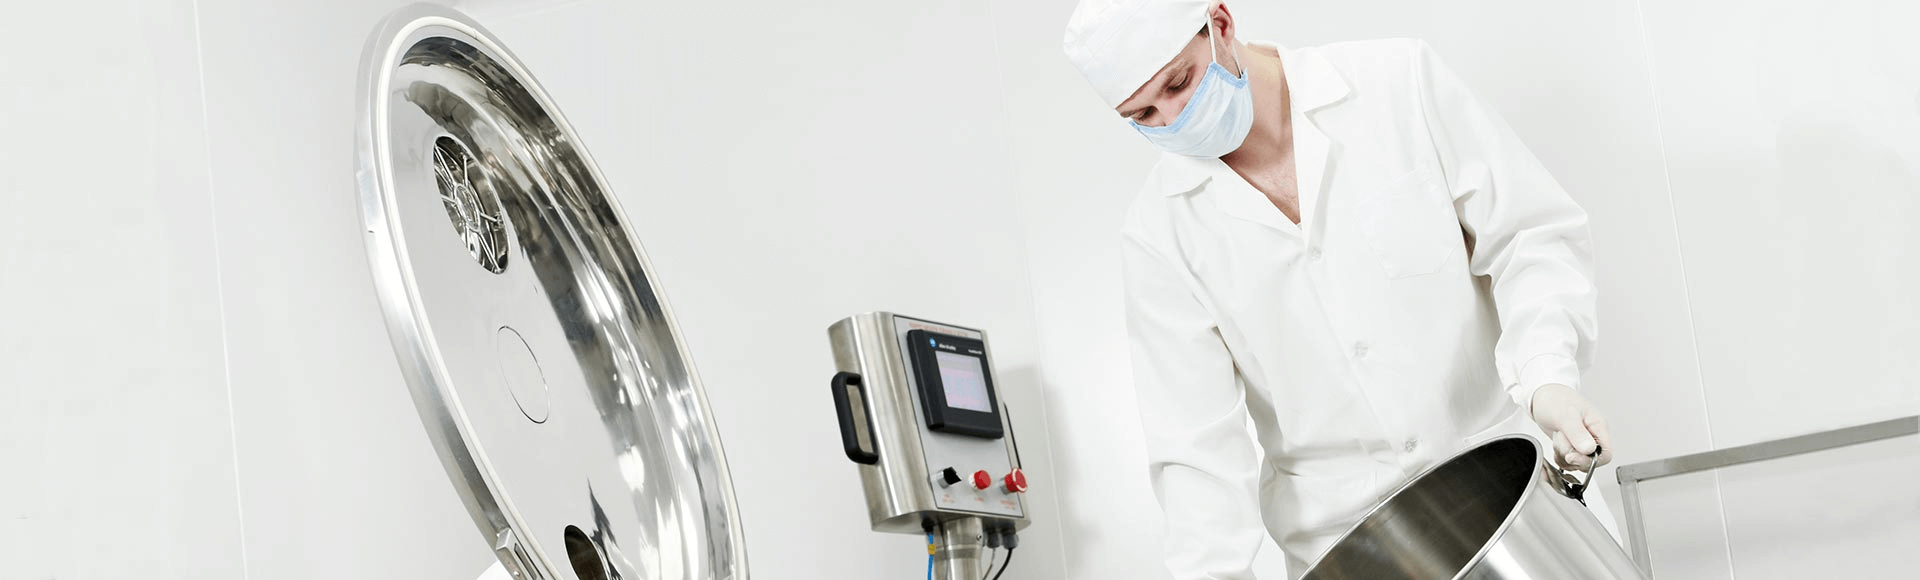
1222,20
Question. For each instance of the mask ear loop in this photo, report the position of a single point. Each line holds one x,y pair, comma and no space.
1214,51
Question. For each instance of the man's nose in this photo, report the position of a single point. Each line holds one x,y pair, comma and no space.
1165,111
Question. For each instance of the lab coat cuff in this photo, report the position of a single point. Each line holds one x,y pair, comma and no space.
1542,370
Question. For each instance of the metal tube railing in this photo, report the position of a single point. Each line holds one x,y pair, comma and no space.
1630,476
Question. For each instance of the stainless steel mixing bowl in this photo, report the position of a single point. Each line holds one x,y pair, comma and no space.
1495,511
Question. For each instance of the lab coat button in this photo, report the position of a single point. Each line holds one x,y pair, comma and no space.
1313,254
1411,445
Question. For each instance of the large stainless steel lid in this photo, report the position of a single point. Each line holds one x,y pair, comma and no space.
538,348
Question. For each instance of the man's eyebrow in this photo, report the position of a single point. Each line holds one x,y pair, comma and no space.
1166,71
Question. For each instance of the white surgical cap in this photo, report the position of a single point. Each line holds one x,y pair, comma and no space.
1120,44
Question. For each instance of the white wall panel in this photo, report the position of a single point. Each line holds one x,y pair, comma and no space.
1844,513
1793,137
1794,140
1685,528
116,454
337,477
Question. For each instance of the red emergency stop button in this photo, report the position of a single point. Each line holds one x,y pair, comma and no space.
981,480
1016,482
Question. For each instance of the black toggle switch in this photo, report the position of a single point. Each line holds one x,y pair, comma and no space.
949,477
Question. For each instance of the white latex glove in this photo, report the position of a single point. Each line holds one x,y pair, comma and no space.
1575,426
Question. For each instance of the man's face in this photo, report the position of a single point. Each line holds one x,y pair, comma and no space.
1159,102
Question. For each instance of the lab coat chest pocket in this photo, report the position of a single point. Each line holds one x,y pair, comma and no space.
1410,226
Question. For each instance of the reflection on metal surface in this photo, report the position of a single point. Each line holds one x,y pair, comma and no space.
521,370
959,550
1496,511
586,559
475,214
595,420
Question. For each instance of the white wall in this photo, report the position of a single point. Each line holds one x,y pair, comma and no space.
1795,171
1792,138
116,455
1687,292
337,477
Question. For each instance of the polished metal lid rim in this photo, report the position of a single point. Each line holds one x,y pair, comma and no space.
406,320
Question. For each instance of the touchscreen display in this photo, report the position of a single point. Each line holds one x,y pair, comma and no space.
965,382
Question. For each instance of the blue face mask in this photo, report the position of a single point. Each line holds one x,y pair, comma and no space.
1216,119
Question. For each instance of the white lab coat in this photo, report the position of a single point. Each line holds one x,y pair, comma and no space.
1365,343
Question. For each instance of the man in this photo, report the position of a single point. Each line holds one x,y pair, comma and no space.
1342,246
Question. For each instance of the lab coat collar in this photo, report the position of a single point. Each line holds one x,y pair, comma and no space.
1311,82
1310,78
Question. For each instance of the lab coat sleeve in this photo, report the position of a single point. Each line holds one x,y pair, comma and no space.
1201,457
1527,235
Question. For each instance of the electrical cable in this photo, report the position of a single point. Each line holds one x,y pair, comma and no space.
992,539
1003,563
929,555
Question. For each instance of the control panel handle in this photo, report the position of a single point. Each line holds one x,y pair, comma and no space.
856,427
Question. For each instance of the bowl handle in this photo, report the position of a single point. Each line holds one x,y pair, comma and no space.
1570,485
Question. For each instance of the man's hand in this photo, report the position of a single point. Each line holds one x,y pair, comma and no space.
1575,426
